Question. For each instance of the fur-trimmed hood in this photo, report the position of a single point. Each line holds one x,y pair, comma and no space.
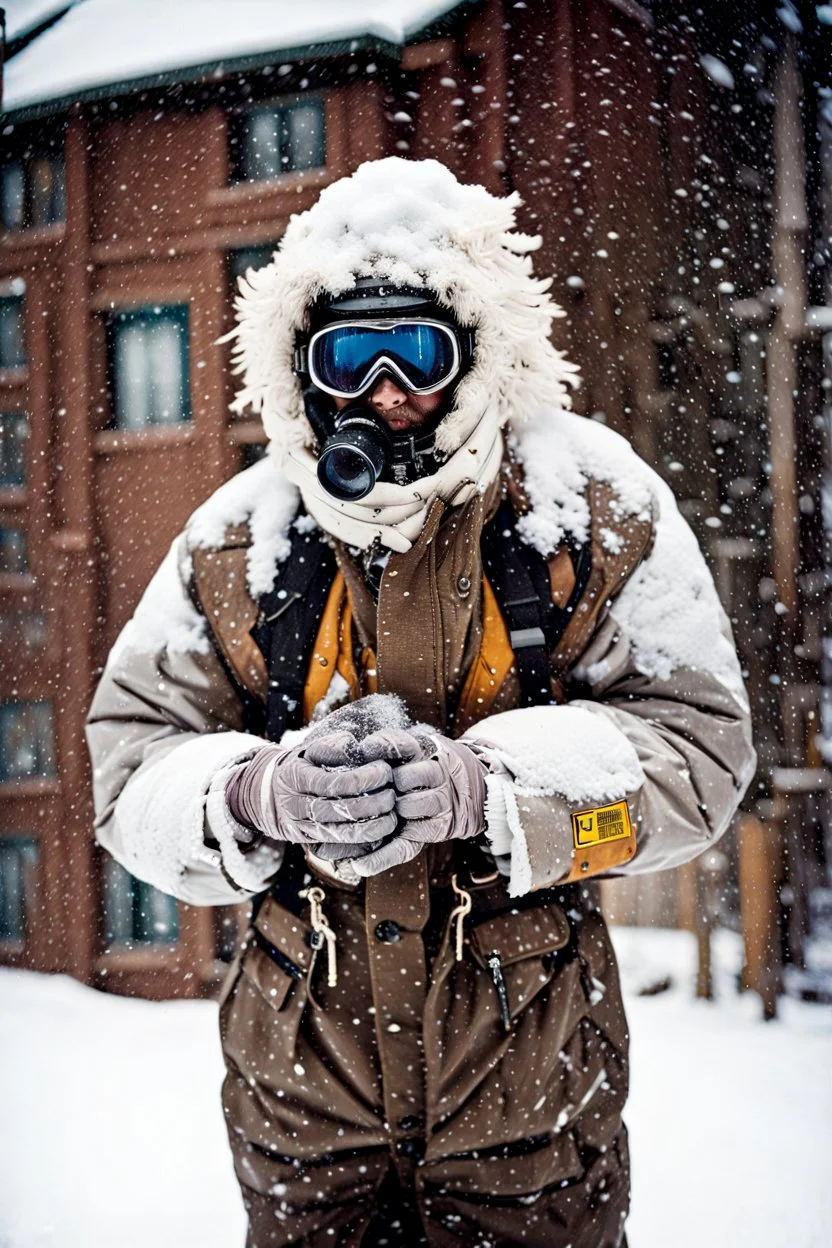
411,223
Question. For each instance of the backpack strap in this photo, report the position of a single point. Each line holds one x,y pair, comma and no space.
287,625
265,647
520,579
618,544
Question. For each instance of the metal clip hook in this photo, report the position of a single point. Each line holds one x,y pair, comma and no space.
322,931
458,914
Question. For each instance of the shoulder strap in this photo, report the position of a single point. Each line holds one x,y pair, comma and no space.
519,576
265,646
287,625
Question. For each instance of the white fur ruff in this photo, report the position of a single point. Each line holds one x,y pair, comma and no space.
411,223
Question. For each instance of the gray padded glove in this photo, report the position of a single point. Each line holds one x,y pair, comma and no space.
292,795
325,791
440,793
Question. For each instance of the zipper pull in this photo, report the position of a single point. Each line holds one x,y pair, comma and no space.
495,970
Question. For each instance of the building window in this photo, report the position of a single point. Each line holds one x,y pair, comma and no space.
18,860
26,740
25,630
148,352
12,346
12,550
244,258
271,140
32,191
136,913
14,430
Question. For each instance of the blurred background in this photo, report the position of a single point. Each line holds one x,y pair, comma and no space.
676,159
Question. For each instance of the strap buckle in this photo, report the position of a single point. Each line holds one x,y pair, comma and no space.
523,638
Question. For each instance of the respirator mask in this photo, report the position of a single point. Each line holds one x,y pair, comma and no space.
356,340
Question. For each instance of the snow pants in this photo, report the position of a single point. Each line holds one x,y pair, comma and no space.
425,1097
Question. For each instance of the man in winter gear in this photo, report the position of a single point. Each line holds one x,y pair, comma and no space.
511,675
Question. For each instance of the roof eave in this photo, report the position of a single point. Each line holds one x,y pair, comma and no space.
242,64
202,73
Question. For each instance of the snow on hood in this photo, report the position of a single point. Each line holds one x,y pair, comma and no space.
410,223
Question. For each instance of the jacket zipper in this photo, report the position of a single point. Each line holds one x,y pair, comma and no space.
495,970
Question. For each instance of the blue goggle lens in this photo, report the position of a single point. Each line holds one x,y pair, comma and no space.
343,358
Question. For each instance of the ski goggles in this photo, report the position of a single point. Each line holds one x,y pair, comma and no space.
346,358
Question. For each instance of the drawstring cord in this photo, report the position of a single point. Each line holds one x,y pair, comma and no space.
322,933
458,914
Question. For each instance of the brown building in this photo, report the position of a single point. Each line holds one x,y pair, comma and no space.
662,158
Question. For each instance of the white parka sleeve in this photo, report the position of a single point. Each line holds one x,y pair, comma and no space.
164,729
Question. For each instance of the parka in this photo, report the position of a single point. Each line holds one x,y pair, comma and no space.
451,1067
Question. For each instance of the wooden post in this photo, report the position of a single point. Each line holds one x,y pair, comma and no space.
712,869
788,255
758,877
72,559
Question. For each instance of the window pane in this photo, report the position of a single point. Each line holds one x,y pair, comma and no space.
46,193
303,136
12,351
58,190
18,857
12,550
14,430
245,258
12,196
164,350
26,740
261,144
136,912
150,368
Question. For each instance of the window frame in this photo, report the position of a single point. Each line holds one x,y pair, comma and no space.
21,418
44,745
146,314
30,855
24,151
237,177
140,894
14,293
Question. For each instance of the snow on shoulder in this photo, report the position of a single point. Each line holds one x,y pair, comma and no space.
669,608
264,499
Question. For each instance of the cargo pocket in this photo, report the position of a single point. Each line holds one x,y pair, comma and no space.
273,968
517,952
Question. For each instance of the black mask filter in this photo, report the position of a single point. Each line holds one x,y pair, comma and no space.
357,449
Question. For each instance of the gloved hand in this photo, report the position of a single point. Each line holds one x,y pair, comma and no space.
324,791
440,793
292,795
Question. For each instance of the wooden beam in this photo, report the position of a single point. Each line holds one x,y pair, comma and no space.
759,857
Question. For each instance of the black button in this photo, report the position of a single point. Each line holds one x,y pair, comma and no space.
388,932
412,1148
410,1122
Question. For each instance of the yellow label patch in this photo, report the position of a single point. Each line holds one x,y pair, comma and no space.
604,823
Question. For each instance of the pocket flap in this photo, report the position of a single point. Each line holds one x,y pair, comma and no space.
285,931
520,934
271,982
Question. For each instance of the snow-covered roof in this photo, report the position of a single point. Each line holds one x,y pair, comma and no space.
102,47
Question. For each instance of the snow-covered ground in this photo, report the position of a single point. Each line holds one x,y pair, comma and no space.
112,1136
